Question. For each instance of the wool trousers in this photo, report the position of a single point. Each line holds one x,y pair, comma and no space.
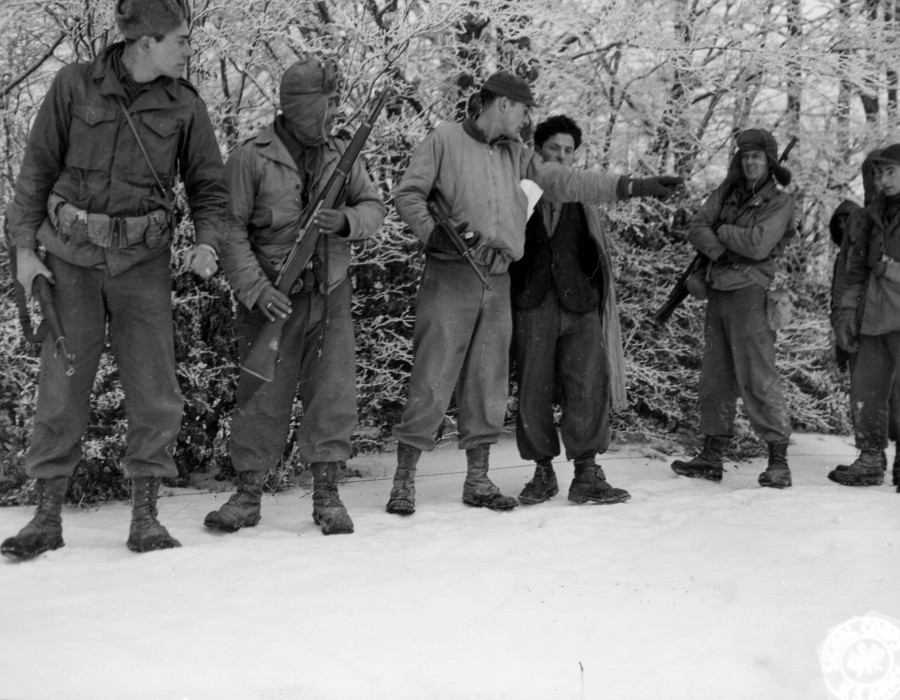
739,361
461,343
135,309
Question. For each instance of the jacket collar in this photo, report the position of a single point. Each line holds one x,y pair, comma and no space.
472,129
271,147
103,71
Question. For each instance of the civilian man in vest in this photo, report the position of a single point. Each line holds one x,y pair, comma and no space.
868,323
565,331
463,329
742,228
103,213
272,178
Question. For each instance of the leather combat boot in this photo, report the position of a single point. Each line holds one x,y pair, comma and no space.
328,511
867,470
242,509
44,532
590,485
542,486
895,480
709,464
478,490
146,534
402,500
777,475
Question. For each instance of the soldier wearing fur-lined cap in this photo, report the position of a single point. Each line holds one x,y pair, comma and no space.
743,228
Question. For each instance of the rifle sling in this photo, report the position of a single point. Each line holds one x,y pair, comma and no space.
140,143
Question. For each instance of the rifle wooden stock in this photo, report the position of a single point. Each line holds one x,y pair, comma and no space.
260,360
443,218
43,292
679,291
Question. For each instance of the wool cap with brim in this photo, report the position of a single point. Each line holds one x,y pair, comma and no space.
137,18
888,156
506,84
761,140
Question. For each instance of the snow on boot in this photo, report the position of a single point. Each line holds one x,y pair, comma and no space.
709,463
478,490
542,486
243,508
328,511
777,475
146,533
867,470
402,500
44,532
590,485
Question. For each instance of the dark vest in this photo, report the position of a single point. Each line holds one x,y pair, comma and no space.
568,262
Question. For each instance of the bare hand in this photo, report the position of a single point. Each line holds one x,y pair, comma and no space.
332,222
29,266
202,260
273,304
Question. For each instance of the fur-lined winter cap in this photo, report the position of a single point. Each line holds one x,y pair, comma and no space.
762,140
137,18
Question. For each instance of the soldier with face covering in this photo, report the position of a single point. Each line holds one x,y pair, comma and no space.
272,179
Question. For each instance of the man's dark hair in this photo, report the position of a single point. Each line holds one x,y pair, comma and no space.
558,124
485,97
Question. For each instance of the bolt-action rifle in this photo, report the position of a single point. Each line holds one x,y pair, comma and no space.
43,292
263,354
679,290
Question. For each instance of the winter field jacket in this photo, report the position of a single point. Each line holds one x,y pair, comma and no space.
872,282
82,149
266,205
754,230
480,183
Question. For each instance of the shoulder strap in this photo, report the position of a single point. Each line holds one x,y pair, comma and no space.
140,143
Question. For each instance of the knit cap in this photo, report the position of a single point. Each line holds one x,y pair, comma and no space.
137,18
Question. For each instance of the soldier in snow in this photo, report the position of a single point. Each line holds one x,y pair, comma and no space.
95,190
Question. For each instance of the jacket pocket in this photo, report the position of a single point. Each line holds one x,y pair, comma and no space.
92,137
160,138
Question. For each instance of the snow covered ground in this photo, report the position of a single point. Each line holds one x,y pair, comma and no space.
691,590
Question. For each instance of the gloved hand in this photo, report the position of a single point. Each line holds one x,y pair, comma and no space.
273,304
728,258
660,187
438,239
846,330
471,238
